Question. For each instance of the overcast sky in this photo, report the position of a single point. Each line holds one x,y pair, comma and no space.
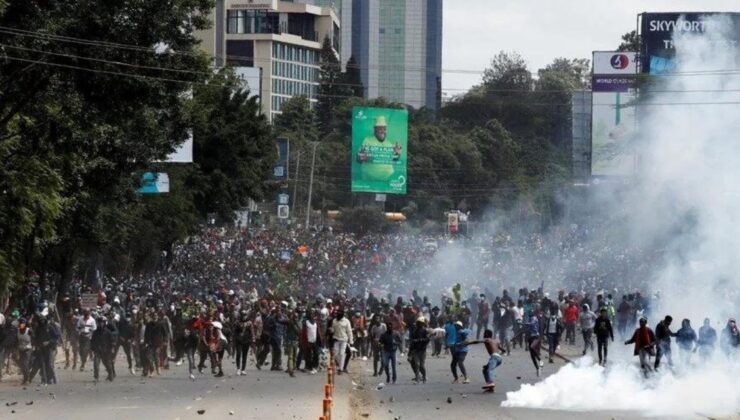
541,30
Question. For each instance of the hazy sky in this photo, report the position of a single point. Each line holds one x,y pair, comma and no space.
541,30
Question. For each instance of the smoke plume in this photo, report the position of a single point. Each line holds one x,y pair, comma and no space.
686,204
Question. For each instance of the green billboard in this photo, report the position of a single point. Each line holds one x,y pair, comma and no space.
379,152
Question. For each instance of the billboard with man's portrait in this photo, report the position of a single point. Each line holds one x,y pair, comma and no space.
379,150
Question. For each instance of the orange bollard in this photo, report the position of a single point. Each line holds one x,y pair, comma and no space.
322,417
327,409
328,391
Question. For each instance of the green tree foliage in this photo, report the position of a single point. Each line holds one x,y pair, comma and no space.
363,220
508,71
297,122
352,80
630,42
332,87
234,149
81,116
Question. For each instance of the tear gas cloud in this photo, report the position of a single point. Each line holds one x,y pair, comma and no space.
685,204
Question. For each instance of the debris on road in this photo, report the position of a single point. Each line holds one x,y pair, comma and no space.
449,400
201,412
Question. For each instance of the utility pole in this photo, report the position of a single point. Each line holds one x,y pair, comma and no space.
293,200
310,184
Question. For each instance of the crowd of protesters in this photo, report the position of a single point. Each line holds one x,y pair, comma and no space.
287,300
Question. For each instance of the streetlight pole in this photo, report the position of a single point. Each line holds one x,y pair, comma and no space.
310,184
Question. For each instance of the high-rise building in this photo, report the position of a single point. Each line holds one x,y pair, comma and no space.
343,8
275,42
398,47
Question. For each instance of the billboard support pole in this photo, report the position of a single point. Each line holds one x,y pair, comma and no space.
310,185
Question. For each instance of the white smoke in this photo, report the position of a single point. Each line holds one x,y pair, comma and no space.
688,200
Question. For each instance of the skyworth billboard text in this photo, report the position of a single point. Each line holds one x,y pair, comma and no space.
657,29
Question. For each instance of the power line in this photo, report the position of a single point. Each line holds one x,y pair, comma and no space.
145,77
100,60
132,47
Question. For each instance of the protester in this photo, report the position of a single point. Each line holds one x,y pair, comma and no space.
644,341
663,336
390,342
588,322
459,352
419,340
604,332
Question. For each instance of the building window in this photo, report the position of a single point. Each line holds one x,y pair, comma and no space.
252,22
240,53
235,21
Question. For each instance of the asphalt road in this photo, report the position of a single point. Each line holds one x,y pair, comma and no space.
258,395
408,401
274,395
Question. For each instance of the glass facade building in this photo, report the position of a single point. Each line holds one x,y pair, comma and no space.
398,47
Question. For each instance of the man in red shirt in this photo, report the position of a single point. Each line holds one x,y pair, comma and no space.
571,318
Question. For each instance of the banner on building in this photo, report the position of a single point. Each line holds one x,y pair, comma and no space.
657,31
379,150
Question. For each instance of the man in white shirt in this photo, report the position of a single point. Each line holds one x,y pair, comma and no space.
342,332
86,326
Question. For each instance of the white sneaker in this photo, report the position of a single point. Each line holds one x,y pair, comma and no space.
244,373
238,373
313,371
192,377
179,363
542,364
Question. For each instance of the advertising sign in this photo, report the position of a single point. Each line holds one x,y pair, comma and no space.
614,71
283,211
657,30
379,150
453,222
615,62
280,171
255,4
154,183
612,133
612,113
88,300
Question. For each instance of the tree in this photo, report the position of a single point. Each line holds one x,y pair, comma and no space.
233,146
363,220
554,90
352,79
86,115
332,91
508,71
630,42
297,122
